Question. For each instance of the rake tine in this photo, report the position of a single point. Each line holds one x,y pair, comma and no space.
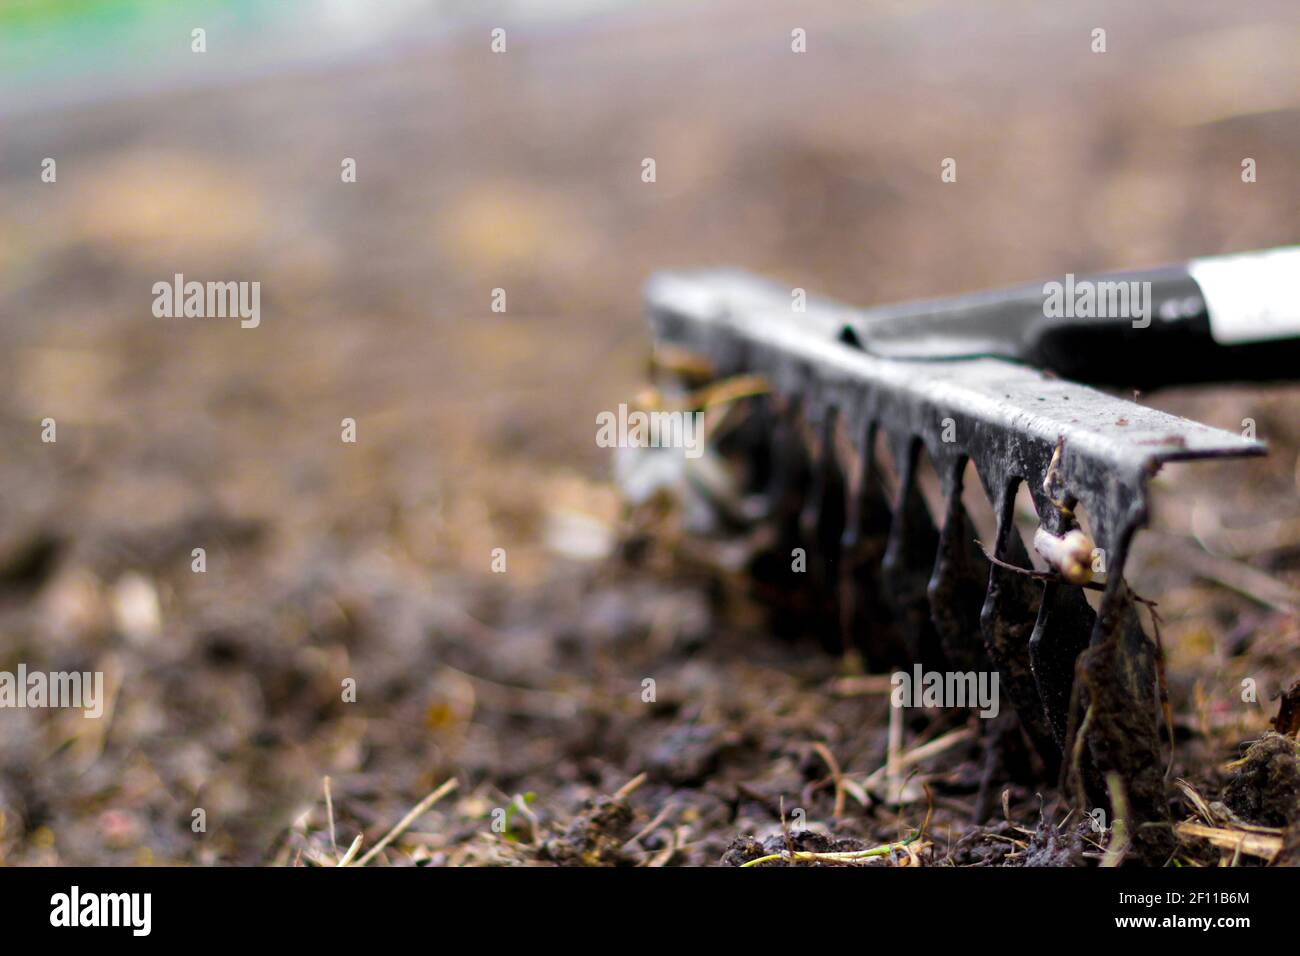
821,526
867,615
785,495
957,591
910,557
959,581
1064,628
1118,673
1011,607
791,470
1062,631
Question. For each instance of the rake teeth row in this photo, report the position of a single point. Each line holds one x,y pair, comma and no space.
904,586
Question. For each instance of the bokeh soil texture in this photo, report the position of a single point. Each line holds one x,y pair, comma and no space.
373,561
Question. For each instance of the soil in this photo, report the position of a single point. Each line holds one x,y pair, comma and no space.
1265,784
608,696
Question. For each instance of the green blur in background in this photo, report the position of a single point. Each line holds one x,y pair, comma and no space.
62,52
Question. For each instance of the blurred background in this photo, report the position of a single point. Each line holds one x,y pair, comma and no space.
522,171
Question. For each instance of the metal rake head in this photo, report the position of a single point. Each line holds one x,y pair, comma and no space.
887,578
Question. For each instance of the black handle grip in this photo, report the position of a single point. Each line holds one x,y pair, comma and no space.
1228,318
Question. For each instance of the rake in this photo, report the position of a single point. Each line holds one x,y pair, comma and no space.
977,380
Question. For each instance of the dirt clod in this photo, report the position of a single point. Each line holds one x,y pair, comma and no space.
1265,785
595,837
1053,846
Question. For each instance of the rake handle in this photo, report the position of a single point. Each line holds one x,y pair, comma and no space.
1227,318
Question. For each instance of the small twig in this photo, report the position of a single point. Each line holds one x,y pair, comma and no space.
929,809
352,852
1076,751
653,825
849,856
1052,576
1198,803
865,685
416,812
625,791
329,815
785,828
1255,844
1234,575
1002,836
1027,572
522,701
728,390
675,843
936,746
893,764
836,775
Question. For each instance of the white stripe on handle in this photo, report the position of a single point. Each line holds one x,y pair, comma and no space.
1251,297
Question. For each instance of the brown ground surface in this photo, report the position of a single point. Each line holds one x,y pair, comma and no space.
328,561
